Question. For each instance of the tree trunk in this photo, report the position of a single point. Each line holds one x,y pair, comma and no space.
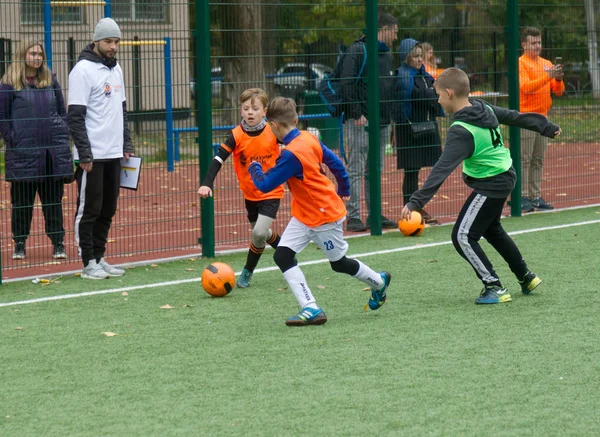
242,31
592,48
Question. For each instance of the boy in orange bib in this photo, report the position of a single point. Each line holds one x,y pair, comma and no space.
252,140
318,211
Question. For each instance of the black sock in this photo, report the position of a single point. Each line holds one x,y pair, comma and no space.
274,240
254,255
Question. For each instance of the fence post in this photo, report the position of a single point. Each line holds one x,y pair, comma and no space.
48,32
373,109
512,39
204,121
169,105
137,85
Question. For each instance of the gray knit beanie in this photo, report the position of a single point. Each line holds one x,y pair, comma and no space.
106,28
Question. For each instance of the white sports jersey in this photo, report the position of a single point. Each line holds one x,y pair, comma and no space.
102,90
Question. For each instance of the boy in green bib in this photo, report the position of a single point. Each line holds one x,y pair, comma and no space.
474,139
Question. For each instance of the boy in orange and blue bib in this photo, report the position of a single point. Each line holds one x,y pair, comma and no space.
318,211
252,140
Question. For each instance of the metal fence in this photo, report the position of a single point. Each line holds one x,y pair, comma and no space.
187,62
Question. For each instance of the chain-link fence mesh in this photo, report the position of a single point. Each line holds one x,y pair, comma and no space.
287,48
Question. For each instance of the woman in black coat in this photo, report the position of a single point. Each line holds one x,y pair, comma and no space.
417,137
38,157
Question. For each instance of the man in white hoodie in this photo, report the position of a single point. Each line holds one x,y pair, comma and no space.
97,120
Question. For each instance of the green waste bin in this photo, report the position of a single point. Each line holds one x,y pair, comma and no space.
328,127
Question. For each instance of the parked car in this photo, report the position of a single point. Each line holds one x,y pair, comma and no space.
216,82
292,79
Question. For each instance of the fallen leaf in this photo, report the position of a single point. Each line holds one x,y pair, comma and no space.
190,270
432,261
166,307
192,259
124,294
153,265
19,328
367,289
445,197
187,306
321,287
111,241
109,334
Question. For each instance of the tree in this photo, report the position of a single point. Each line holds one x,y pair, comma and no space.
592,43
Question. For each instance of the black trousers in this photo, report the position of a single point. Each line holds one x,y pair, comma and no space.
98,192
22,196
480,217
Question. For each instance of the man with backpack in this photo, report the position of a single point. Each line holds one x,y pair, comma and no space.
353,93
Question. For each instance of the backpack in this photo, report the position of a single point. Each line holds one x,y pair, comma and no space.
330,87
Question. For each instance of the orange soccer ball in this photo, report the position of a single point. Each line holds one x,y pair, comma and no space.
218,279
412,227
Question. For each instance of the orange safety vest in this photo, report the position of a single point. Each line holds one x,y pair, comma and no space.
262,148
314,198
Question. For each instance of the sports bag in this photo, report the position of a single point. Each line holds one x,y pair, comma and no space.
330,87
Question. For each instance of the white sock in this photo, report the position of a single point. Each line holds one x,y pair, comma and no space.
297,282
370,277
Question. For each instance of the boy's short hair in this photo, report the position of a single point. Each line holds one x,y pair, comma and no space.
255,93
530,31
454,79
386,20
282,110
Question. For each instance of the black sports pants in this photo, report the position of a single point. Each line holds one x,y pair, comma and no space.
480,217
98,192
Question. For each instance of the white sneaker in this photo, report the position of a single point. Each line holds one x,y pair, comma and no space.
93,271
111,270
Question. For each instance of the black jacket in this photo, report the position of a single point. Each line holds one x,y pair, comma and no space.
460,146
33,123
355,93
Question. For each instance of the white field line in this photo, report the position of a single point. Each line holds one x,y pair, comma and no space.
269,269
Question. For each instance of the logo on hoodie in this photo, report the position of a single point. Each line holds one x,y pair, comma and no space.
107,89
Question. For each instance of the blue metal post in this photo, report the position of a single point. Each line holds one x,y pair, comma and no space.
169,106
107,9
48,32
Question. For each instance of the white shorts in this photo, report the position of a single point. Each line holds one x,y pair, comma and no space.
329,237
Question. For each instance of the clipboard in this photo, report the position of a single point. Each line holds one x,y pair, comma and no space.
130,172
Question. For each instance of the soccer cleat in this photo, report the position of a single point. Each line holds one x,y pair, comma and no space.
541,204
59,251
307,316
529,283
378,297
493,294
19,252
93,271
111,270
243,280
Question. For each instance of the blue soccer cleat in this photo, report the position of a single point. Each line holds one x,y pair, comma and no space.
493,294
378,297
243,280
307,316
529,283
